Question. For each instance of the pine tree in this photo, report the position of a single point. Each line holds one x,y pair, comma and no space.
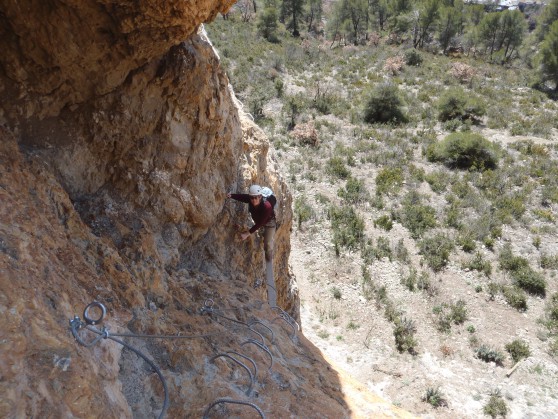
291,15
548,56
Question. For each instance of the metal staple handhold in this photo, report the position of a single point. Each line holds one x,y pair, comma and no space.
224,400
288,317
267,327
286,321
261,346
239,363
210,310
248,359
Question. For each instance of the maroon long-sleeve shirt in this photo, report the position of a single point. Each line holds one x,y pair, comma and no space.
261,214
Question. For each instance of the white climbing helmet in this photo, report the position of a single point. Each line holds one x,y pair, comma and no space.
255,190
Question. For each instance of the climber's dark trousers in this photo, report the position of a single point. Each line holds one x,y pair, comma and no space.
269,244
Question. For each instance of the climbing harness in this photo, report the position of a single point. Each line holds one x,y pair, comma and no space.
224,400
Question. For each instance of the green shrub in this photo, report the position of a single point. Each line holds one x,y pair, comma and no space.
510,207
368,286
348,227
509,262
400,252
550,319
488,354
413,57
415,216
518,349
370,253
383,248
493,290
384,222
354,191
459,312
467,243
529,280
496,406
479,264
553,347
444,323
455,104
452,125
549,261
303,211
384,105
404,333
336,292
389,180
438,181
436,251
434,397
515,297
464,150
335,167
410,281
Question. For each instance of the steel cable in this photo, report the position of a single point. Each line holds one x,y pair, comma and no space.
226,400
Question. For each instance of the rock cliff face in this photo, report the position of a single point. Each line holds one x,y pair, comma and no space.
120,139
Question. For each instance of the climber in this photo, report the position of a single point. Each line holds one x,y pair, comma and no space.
263,215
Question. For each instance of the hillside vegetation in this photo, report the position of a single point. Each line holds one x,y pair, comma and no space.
421,143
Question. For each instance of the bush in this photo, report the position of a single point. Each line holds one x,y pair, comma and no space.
348,227
462,72
518,350
464,150
384,222
436,251
394,65
488,354
354,191
335,167
336,292
415,216
305,134
389,180
382,250
496,406
531,281
549,261
384,106
456,104
515,297
303,211
479,264
459,312
509,262
404,333
551,313
413,57
435,398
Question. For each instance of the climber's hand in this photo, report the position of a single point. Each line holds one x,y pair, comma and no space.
244,236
